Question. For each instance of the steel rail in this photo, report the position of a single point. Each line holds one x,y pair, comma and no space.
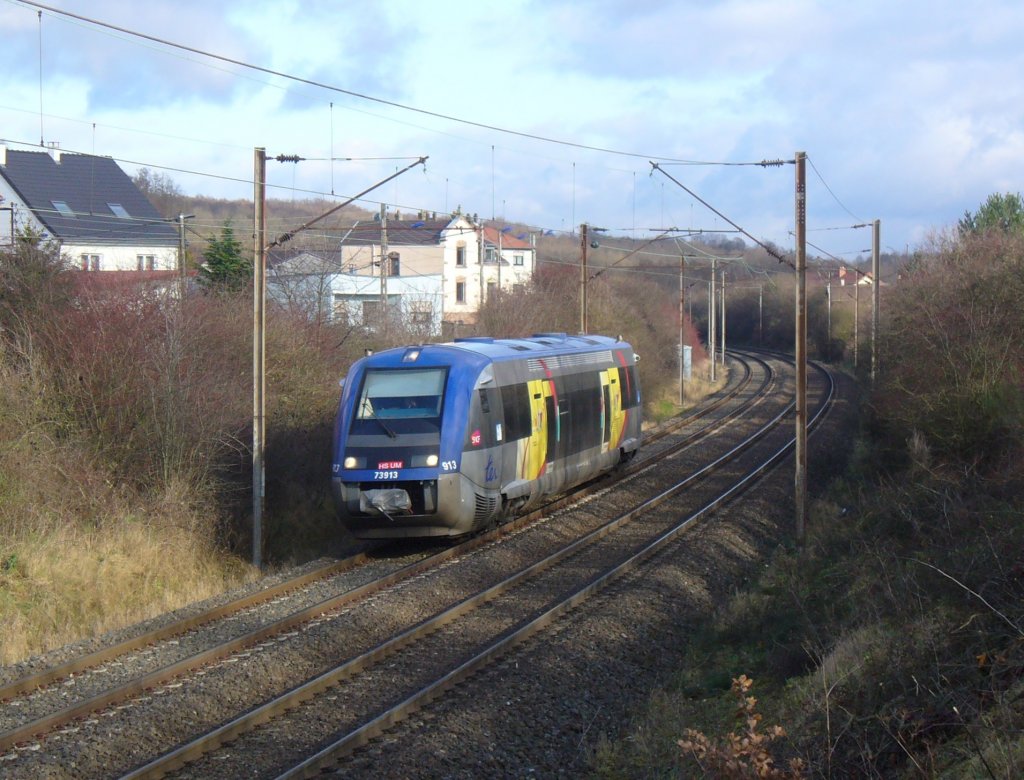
102,656
99,657
273,708
45,724
328,756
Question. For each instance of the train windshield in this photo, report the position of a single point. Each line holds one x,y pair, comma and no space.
402,400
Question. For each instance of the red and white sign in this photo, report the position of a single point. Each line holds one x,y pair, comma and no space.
475,438
389,464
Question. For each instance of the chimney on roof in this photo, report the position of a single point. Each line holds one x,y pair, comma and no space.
55,151
3,154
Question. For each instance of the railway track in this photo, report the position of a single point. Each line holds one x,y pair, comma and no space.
408,578
99,659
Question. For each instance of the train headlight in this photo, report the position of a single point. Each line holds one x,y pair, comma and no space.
431,460
350,462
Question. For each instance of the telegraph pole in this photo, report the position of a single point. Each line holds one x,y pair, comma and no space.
383,267
583,278
856,317
682,349
711,317
723,321
876,284
760,315
800,480
480,262
182,277
828,301
259,375
259,324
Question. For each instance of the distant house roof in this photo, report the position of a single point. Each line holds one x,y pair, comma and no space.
307,260
508,239
401,232
84,199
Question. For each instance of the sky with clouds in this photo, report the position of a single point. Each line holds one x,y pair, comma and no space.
910,112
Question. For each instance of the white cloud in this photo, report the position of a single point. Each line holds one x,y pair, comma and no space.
912,112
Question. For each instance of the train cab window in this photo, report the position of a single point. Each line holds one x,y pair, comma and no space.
405,400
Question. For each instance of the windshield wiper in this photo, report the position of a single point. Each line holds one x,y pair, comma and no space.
384,425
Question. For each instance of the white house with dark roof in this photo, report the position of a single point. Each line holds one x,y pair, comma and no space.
89,206
450,260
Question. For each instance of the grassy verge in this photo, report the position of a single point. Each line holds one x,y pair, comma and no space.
81,552
58,587
891,646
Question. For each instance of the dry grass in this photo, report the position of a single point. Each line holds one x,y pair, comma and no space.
665,403
80,552
67,584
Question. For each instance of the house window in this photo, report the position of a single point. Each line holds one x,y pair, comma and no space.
90,262
460,292
491,287
517,259
340,309
460,254
145,262
394,264
518,289
371,312
421,312
119,210
489,254
63,208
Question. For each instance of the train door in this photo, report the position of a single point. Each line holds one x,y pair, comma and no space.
537,446
613,414
606,411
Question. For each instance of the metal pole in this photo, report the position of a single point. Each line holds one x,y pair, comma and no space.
711,318
682,300
800,479
723,320
583,278
259,376
480,263
181,257
384,263
876,284
760,315
856,318
828,295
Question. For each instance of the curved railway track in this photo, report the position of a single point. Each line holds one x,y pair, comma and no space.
405,580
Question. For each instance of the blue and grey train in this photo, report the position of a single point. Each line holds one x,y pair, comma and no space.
448,439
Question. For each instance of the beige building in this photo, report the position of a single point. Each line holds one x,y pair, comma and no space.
471,261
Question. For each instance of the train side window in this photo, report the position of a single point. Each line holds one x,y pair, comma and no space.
607,424
634,378
515,401
552,419
629,386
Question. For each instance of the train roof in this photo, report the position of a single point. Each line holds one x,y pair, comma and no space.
492,349
539,344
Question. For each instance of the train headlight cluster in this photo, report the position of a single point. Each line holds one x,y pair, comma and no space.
350,462
431,460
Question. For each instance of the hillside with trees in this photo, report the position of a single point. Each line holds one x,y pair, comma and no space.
892,645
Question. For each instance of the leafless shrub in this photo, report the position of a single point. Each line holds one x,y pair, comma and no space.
745,752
